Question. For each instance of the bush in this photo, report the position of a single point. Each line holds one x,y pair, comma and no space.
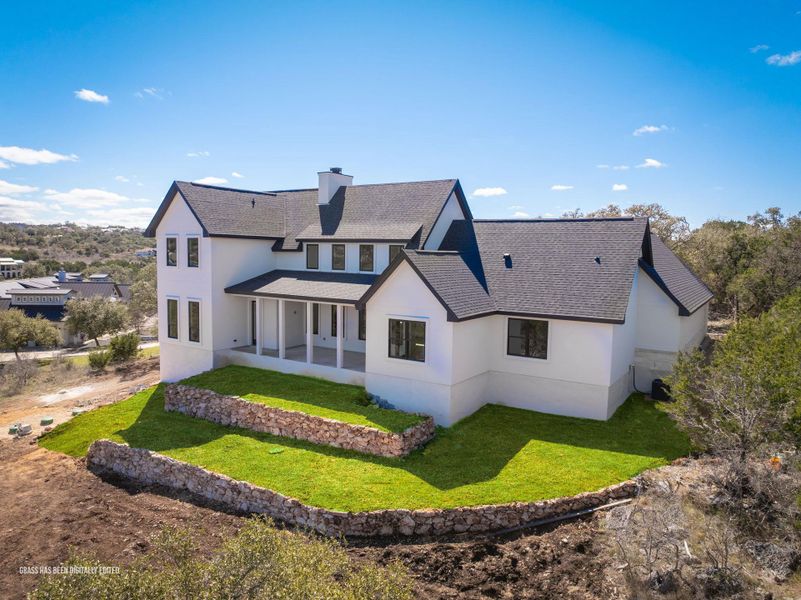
99,359
16,375
124,347
259,562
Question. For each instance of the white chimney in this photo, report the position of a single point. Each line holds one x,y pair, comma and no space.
330,182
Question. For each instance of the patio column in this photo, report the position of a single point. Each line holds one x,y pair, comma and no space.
259,342
309,337
281,329
340,337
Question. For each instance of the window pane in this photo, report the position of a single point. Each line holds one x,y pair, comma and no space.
394,250
418,341
333,321
172,319
527,337
407,340
312,256
172,251
315,318
192,252
363,324
365,257
338,257
194,321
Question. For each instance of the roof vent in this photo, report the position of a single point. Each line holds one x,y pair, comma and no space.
507,260
598,260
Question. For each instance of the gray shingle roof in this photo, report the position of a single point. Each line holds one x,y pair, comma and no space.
345,288
552,270
686,289
392,211
87,289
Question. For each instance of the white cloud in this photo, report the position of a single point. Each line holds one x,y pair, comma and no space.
521,215
4,165
758,48
87,198
237,175
621,168
24,211
651,163
151,92
561,188
515,207
29,156
127,217
619,187
13,188
211,181
91,96
784,60
487,192
202,154
645,129
601,166
122,179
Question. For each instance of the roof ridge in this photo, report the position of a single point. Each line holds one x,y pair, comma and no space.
558,220
227,189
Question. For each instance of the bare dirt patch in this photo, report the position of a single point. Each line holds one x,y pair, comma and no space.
77,389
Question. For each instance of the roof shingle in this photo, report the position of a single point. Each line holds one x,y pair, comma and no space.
306,285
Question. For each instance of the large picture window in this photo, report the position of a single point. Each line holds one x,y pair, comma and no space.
172,251
527,337
338,257
407,340
192,252
312,256
366,257
394,250
172,318
194,320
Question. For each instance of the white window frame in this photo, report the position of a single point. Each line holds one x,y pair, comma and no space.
177,250
192,236
177,337
199,320
395,359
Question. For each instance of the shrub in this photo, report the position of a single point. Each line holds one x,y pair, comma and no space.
124,347
258,562
16,375
99,359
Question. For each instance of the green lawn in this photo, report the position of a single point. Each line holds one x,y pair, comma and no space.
310,395
498,454
82,360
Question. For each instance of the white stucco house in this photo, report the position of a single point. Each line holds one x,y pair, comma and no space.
396,287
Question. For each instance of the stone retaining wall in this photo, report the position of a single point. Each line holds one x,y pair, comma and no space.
146,467
237,412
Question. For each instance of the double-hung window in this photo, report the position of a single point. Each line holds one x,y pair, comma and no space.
527,337
172,251
407,340
192,252
193,313
366,257
312,256
172,318
338,257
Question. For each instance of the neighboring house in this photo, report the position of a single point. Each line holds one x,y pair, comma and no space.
10,268
48,297
146,253
397,287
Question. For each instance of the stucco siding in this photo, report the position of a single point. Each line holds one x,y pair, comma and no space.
451,211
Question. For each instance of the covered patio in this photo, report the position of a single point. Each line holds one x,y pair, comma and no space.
306,317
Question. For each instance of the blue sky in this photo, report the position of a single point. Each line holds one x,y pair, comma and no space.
535,103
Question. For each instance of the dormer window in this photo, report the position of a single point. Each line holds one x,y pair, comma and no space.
312,256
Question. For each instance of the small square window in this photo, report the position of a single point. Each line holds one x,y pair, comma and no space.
407,340
312,256
366,257
528,338
338,257
172,251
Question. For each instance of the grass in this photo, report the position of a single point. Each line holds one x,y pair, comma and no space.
498,454
310,395
82,360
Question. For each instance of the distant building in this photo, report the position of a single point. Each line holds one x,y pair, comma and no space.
146,253
10,268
